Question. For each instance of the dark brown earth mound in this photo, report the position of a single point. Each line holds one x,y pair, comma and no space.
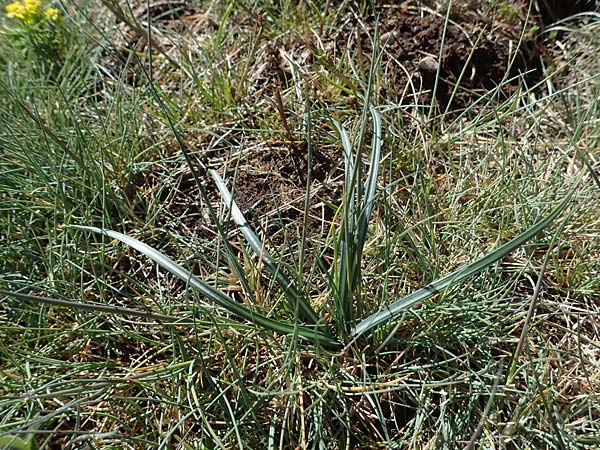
481,54
426,60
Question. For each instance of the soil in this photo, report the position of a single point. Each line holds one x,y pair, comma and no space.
270,182
477,58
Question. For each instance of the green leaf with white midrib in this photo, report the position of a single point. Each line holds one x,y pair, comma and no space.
389,312
292,292
358,205
368,200
343,298
215,295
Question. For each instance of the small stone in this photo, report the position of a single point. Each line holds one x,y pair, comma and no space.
428,65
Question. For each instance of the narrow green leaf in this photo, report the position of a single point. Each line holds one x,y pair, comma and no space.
358,205
389,312
371,182
368,199
345,236
86,306
16,443
292,292
349,162
215,295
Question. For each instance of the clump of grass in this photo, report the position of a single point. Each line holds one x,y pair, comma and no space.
234,346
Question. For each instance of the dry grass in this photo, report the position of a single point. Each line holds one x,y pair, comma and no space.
235,85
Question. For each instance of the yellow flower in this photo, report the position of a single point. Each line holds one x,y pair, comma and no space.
15,10
32,6
53,14
27,11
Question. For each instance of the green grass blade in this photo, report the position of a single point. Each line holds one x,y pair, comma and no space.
349,164
344,248
16,443
292,292
358,205
213,294
89,306
389,312
370,183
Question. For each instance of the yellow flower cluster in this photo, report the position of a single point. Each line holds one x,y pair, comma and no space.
52,13
30,11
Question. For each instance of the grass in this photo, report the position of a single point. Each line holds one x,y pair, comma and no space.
295,197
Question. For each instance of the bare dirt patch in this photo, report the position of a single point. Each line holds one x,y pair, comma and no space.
479,55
